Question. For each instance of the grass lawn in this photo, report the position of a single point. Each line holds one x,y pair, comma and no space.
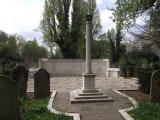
146,111
36,109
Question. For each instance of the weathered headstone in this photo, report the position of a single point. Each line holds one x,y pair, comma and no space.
9,105
41,84
155,87
20,74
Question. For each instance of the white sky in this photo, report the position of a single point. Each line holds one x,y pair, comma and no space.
23,16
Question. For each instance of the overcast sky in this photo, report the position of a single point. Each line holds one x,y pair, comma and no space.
23,16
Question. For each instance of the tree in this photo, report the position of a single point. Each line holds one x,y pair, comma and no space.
8,47
132,9
64,27
31,52
111,37
9,50
100,49
115,37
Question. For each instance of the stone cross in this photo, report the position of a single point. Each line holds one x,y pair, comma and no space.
9,104
41,84
155,87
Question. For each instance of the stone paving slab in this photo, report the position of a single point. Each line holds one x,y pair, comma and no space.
93,111
73,83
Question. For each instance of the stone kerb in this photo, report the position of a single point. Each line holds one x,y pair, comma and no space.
155,87
41,84
9,105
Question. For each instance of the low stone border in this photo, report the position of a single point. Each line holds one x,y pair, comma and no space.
124,112
75,116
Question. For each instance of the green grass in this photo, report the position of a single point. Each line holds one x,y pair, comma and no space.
37,110
146,111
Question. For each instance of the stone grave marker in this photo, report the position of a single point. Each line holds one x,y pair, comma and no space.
155,87
41,83
20,74
9,104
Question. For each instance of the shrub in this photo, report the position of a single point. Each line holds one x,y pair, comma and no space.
127,67
144,76
131,71
123,66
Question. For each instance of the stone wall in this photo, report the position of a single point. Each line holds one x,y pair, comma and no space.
73,67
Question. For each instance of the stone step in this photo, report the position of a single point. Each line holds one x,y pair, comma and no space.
91,97
76,98
89,93
109,99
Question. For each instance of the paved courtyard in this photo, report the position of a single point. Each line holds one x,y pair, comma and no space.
91,111
73,83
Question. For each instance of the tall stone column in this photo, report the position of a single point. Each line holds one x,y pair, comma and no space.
88,93
88,43
88,77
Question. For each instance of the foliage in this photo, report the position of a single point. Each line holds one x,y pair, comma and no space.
123,66
9,50
8,47
129,10
117,48
58,29
143,56
14,50
111,38
133,60
146,111
31,52
58,53
100,49
37,110
144,74
144,78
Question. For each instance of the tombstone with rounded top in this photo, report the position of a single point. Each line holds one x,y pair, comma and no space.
41,83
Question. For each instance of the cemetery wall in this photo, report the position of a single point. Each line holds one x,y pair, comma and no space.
73,67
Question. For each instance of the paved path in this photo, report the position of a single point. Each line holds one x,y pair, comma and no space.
93,111
90,111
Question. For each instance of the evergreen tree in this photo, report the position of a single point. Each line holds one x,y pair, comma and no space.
63,24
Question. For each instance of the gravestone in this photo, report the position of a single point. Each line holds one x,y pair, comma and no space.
20,74
9,105
155,87
41,83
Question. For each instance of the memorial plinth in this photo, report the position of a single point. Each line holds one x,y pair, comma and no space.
88,93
